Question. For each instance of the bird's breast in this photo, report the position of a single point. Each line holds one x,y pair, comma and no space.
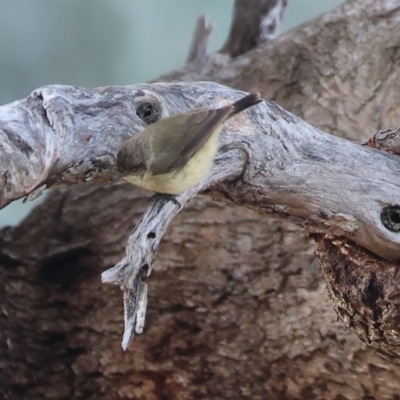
191,174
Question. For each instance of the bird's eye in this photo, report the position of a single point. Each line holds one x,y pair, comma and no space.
148,113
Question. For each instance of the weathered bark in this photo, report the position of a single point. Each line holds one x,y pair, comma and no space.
237,308
364,290
387,140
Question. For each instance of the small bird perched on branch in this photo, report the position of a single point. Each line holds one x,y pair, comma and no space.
177,153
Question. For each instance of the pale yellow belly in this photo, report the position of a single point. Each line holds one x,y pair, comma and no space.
194,172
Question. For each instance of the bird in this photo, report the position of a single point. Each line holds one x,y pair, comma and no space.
177,153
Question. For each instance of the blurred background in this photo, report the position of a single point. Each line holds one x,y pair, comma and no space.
107,42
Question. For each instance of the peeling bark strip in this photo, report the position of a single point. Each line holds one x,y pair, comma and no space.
387,140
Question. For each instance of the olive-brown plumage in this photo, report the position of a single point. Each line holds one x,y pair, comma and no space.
177,153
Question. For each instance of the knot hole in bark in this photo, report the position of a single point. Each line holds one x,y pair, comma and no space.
148,112
390,217
144,272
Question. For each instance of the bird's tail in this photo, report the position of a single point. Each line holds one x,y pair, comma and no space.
245,102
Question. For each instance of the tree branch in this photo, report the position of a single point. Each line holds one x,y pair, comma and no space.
143,243
254,22
293,172
283,151
198,47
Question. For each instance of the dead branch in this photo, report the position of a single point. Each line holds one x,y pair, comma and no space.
144,241
293,172
254,22
198,47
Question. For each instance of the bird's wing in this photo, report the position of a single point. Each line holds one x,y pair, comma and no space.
193,133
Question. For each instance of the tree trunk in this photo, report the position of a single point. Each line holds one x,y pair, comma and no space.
238,306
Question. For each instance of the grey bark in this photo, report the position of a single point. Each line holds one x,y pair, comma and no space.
386,140
237,304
